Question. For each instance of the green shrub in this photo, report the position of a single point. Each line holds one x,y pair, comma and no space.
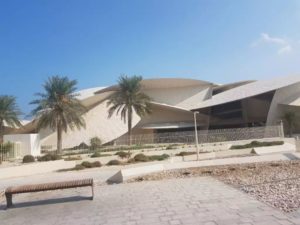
158,157
73,158
78,167
255,144
28,159
172,146
96,164
87,164
114,162
49,157
95,143
185,153
123,154
141,158
95,155
98,154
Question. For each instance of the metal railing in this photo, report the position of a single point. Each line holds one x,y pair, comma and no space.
204,136
9,151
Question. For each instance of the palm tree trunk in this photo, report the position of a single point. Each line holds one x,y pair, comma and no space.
1,130
129,124
59,139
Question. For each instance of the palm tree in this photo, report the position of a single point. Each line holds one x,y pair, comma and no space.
9,113
58,108
290,118
128,99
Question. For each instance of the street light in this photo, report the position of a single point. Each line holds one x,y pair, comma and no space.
196,134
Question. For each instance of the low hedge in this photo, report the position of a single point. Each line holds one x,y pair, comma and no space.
49,157
98,154
123,154
28,159
114,162
144,158
185,153
255,144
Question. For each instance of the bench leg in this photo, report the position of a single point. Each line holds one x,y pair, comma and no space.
8,200
92,192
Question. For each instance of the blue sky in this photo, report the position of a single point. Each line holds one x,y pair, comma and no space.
95,41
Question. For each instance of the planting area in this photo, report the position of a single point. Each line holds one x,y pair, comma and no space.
275,183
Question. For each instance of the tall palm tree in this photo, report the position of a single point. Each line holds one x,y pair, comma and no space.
58,108
9,113
290,118
127,99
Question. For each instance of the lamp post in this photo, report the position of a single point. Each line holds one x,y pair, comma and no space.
196,134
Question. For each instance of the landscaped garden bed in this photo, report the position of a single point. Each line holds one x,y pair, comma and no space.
275,183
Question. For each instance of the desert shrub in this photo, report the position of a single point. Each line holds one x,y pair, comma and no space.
255,144
95,143
96,164
49,157
73,158
95,155
172,146
98,154
28,159
78,167
185,153
123,154
158,157
87,164
141,158
114,162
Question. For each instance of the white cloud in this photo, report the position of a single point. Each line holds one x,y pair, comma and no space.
276,40
285,50
283,45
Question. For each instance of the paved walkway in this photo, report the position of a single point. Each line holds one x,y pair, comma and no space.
169,202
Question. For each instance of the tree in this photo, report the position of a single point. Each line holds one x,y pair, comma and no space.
9,113
58,108
290,118
95,143
128,99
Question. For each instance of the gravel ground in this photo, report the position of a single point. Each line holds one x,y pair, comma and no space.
275,183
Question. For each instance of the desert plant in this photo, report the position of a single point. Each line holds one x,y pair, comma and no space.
255,144
128,99
114,162
95,143
73,158
158,157
185,153
87,164
141,158
96,164
58,108
123,154
9,113
28,159
49,157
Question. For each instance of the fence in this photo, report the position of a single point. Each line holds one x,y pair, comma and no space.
9,151
204,136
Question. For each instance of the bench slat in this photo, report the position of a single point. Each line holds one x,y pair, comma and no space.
49,186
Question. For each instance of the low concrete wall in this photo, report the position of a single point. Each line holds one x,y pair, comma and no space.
34,168
297,142
286,147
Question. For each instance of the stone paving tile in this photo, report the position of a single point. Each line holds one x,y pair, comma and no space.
190,201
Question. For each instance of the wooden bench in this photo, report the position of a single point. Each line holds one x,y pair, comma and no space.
47,187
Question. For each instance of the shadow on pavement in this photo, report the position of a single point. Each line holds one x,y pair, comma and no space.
46,202
291,156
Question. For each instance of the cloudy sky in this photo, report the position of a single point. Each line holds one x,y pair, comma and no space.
95,41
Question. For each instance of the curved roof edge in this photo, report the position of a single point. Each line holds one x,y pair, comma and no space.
249,90
163,83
